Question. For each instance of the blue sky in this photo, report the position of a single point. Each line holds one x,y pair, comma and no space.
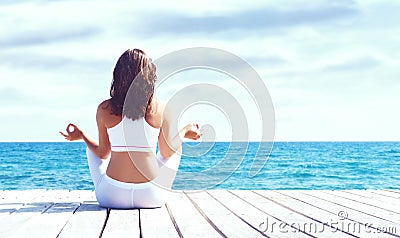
331,67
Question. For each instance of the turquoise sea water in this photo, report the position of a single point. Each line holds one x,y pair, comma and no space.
293,165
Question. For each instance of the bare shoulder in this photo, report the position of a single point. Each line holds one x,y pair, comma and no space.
106,116
155,115
104,104
103,111
104,107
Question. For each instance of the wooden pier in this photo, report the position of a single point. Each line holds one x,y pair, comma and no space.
211,213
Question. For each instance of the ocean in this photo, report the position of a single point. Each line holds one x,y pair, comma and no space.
220,165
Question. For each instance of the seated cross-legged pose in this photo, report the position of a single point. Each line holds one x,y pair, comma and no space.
125,169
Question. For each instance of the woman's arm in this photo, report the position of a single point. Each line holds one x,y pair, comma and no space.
168,141
102,148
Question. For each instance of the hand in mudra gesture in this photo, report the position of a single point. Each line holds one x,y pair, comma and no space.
192,131
73,132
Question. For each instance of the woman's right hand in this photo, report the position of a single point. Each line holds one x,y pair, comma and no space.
73,133
192,131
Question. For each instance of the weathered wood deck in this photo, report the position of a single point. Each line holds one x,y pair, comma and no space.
212,213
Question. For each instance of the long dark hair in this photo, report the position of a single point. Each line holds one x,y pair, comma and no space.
133,83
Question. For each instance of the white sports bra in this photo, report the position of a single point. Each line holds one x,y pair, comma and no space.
137,135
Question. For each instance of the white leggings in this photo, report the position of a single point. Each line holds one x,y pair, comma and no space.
112,193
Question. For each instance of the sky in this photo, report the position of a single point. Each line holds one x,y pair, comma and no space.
331,67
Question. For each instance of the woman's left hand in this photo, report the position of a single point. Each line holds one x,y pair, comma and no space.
74,133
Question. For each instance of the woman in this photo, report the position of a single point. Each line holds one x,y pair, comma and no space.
123,163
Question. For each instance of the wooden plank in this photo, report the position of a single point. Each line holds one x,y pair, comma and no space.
233,213
336,207
282,209
65,196
81,196
373,208
87,222
393,197
156,223
321,224
8,208
54,196
377,199
122,223
387,193
392,191
12,200
355,212
20,196
339,219
18,218
229,224
187,218
49,223
256,218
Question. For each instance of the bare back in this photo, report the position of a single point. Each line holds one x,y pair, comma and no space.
133,166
